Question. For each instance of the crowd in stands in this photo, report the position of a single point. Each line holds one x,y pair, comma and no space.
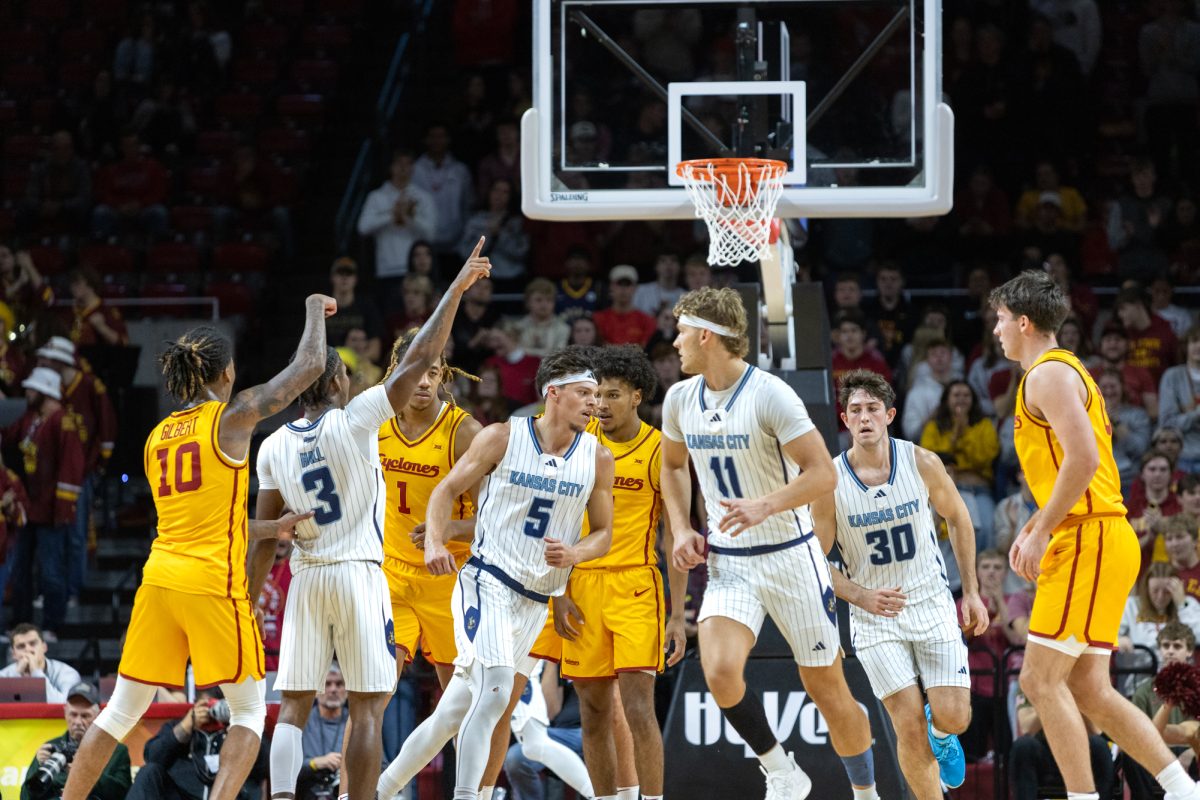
1076,154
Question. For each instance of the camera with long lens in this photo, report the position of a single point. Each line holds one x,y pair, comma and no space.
326,786
45,781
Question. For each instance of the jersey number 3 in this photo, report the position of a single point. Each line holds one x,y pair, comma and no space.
901,546
321,482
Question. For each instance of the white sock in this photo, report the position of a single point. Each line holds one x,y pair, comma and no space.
485,792
627,792
1175,781
537,745
776,760
652,797
937,733
424,743
1083,796
867,793
287,757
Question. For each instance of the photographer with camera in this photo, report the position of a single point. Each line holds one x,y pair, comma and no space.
52,762
181,760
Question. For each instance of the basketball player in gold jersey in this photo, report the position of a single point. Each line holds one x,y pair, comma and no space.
193,601
417,449
1078,545
611,617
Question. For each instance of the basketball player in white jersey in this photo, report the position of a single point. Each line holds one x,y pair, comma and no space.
902,615
530,723
328,461
538,478
760,462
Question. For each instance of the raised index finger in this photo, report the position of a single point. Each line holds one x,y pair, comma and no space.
478,247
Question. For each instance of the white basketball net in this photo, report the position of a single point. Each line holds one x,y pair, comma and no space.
737,209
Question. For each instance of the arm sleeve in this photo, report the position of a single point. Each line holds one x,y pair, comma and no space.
670,413
782,412
265,479
70,471
107,417
375,215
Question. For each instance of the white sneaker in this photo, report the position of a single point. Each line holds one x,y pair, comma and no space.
1192,795
792,784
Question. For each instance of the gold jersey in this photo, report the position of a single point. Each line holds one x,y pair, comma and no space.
200,495
411,470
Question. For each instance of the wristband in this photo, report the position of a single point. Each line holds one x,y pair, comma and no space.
312,764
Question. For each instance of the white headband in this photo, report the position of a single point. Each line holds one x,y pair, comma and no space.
578,377
696,322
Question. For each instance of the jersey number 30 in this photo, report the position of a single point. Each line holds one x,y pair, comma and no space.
320,481
901,547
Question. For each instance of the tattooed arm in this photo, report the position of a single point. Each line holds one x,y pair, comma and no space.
426,348
255,404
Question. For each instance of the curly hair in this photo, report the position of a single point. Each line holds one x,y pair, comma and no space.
448,374
628,363
193,361
568,361
724,307
318,390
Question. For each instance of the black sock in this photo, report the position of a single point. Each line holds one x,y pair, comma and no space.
750,721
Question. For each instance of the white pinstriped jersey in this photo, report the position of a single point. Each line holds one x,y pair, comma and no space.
735,439
331,465
531,495
887,539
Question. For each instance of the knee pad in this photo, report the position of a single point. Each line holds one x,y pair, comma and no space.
533,740
129,702
247,708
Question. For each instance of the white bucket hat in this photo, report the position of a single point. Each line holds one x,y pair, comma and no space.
46,381
60,349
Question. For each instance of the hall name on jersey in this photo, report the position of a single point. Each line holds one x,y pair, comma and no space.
540,483
718,441
409,467
873,518
310,457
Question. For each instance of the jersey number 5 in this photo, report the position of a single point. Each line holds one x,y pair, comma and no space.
187,461
538,518
902,546
321,482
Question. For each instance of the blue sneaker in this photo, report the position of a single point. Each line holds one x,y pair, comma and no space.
952,764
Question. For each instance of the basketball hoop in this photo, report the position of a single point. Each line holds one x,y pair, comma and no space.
736,198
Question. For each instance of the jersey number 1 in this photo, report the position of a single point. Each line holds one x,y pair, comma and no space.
321,482
187,460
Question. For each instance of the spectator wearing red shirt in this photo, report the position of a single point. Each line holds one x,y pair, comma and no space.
130,193
1150,502
1179,540
517,368
52,453
85,396
94,322
1152,343
272,601
1141,389
852,351
621,323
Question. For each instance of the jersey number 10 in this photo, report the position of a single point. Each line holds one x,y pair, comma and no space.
187,463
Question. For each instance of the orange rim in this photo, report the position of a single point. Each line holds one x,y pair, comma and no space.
725,175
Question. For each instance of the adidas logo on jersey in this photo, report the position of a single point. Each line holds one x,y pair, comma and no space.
820,646
962,670
880,493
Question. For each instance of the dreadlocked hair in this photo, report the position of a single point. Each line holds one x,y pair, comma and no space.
448,374
193,361
318,391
